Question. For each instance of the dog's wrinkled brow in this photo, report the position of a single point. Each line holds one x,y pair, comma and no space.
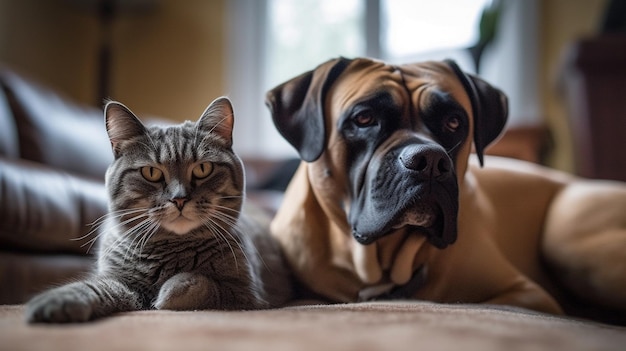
440,103
377,101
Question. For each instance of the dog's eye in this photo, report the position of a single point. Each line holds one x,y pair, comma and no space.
152,174
363,120
451,124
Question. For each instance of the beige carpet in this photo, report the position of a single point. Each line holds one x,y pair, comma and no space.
366,326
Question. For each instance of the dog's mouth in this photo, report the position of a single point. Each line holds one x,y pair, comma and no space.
438,225
420,216
435,220
413,188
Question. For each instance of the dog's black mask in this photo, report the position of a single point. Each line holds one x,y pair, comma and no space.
401,168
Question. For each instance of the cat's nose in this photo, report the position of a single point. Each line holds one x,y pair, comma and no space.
179,202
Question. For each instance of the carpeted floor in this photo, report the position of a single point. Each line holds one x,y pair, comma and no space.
363,326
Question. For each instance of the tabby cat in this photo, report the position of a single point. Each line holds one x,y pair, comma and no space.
176,236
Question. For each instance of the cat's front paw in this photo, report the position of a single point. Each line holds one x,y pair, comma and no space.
60,305
186,291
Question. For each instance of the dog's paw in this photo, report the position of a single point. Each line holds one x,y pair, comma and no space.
60,305
186,291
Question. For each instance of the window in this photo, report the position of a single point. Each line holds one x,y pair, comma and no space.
274,40
301,34
413,27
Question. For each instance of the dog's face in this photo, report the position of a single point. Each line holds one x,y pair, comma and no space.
388,145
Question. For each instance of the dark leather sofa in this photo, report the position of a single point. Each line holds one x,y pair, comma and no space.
53,156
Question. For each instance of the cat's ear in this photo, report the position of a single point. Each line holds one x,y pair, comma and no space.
218,118
121,124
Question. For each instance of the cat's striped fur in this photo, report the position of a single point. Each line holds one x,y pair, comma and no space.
174,237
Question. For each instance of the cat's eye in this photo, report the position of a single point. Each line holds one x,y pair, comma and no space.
202,170
152,174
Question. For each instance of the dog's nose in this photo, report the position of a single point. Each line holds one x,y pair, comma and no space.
428,161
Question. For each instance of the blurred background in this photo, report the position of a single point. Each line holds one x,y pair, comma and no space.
170,58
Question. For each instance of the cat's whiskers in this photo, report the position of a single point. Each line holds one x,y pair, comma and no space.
216,229
103,219
231,197
120,241
241,248
100,222
153,229
213,223
235,227
220,239
231,221
131,232
135,247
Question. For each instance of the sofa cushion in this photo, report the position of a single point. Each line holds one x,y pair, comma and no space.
55,130
46,210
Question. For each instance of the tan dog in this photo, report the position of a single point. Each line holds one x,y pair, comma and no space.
386,204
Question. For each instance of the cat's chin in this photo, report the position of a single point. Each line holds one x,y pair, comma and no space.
180,226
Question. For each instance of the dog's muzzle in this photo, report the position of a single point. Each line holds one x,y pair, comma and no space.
413,186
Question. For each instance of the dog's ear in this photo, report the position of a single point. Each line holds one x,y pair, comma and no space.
297,108
489,107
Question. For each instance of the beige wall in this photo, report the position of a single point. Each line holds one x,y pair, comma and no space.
51,42
171,62
166,62
562,22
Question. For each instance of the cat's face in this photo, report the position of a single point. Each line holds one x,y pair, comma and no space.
174,179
